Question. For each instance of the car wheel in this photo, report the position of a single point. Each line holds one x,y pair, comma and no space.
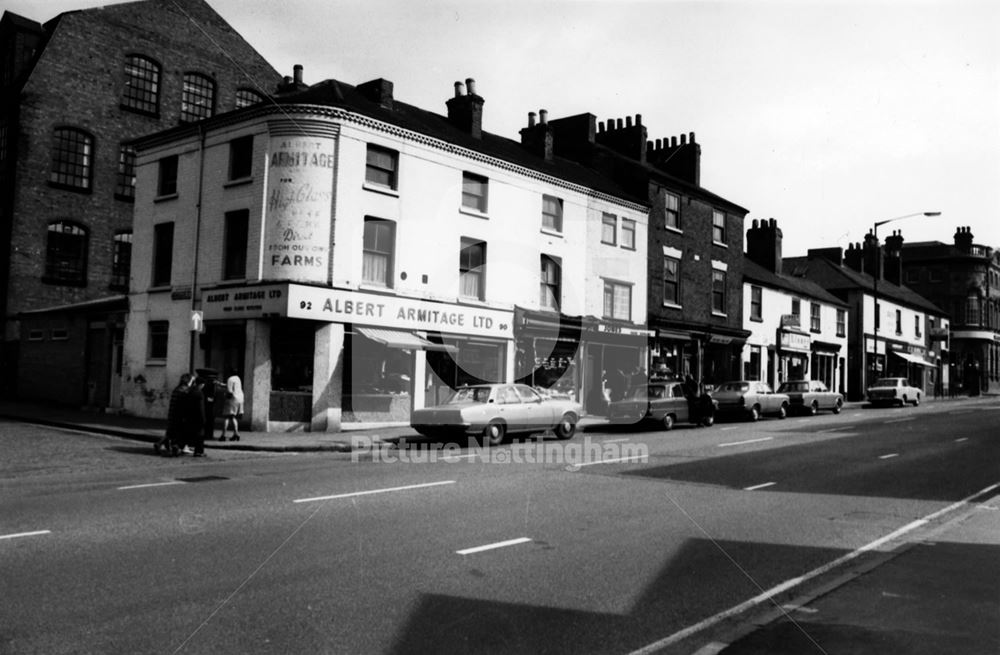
838,407
783,411
668,422
814,408
566,427
708,421
754,413
494,433
916,401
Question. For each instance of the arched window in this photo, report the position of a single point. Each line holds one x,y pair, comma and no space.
66,254
142,85
247,97
198,97
72,159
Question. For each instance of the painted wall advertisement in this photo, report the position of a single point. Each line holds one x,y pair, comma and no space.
299,208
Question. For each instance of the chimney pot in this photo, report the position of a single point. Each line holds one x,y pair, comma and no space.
297,73
691,137
459,90
618,124
470,84
600,127
638,119
628,121
543,115
673,142
531,119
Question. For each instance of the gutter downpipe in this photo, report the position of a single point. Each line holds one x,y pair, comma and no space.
197,246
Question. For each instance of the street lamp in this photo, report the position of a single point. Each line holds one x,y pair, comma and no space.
876,272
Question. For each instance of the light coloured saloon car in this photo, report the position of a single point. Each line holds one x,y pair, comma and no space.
893,391
750,399
493,411
811,396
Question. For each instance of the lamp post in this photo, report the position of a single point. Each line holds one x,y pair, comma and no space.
876,273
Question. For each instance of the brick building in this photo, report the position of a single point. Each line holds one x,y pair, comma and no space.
75,90
963,278
695,266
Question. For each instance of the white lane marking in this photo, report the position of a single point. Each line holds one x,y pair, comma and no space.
901,420
856,415
448,457
25,534
829,431
152,484
617,440
740,443
731,427
804,420
499,544
794,582
760,486
374,491
612,461
960,440
889,456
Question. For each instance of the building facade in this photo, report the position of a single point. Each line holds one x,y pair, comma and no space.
75,91
354,257
963,278
798,331
894,331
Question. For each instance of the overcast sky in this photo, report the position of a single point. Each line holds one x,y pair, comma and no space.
825,115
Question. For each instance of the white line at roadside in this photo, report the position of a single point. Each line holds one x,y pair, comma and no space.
961,439
499,544
767,595
740,443
375,491
901,420
760,486
151,484
25,534
617,440
889,456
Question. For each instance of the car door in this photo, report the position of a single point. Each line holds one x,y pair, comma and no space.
538,413
768,403
511,408
676,403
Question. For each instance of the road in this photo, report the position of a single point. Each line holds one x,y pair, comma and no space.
107,549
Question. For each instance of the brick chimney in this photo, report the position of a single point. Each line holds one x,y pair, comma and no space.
378,91
293,83
872,256
764,244
894,258
853,257
678,157
465,110
624,137
963,239
538,138
573,136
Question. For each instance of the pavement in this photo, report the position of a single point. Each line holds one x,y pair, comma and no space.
936,591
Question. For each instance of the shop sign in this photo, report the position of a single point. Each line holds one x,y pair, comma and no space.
299,203
790,320
794,340
938,334
244,302
341,306
621,329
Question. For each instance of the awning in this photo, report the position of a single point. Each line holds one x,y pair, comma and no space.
914,359
402,339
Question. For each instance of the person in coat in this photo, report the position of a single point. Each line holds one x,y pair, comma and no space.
232,406
175,436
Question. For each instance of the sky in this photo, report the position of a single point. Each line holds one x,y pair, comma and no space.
826,115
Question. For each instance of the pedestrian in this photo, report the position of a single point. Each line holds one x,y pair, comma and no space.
617,384
174,437
196,419
232,405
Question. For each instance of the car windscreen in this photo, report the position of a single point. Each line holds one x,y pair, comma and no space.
793,386
734,386
886,382
644,392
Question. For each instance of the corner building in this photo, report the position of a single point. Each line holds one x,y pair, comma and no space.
354,257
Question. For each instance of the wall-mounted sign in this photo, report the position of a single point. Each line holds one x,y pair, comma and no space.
341,306
794,340
299,208
791,320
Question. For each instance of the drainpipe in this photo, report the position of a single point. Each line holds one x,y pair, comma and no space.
197,243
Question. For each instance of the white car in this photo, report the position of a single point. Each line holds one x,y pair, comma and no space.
892,391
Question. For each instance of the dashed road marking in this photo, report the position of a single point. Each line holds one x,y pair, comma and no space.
889,456
760,486
740,443
961,439
17,535
614,460
375,491
151,484
901,420
494,546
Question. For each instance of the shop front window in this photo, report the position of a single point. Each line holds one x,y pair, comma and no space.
292,355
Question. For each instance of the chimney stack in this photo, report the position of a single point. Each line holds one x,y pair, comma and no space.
872,256
894,258
682,158
538,137
465,110
964,239
378,91
625,138
764,244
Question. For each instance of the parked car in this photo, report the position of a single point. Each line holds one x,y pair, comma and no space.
494,411
662,402
889,391
751,399
810,396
